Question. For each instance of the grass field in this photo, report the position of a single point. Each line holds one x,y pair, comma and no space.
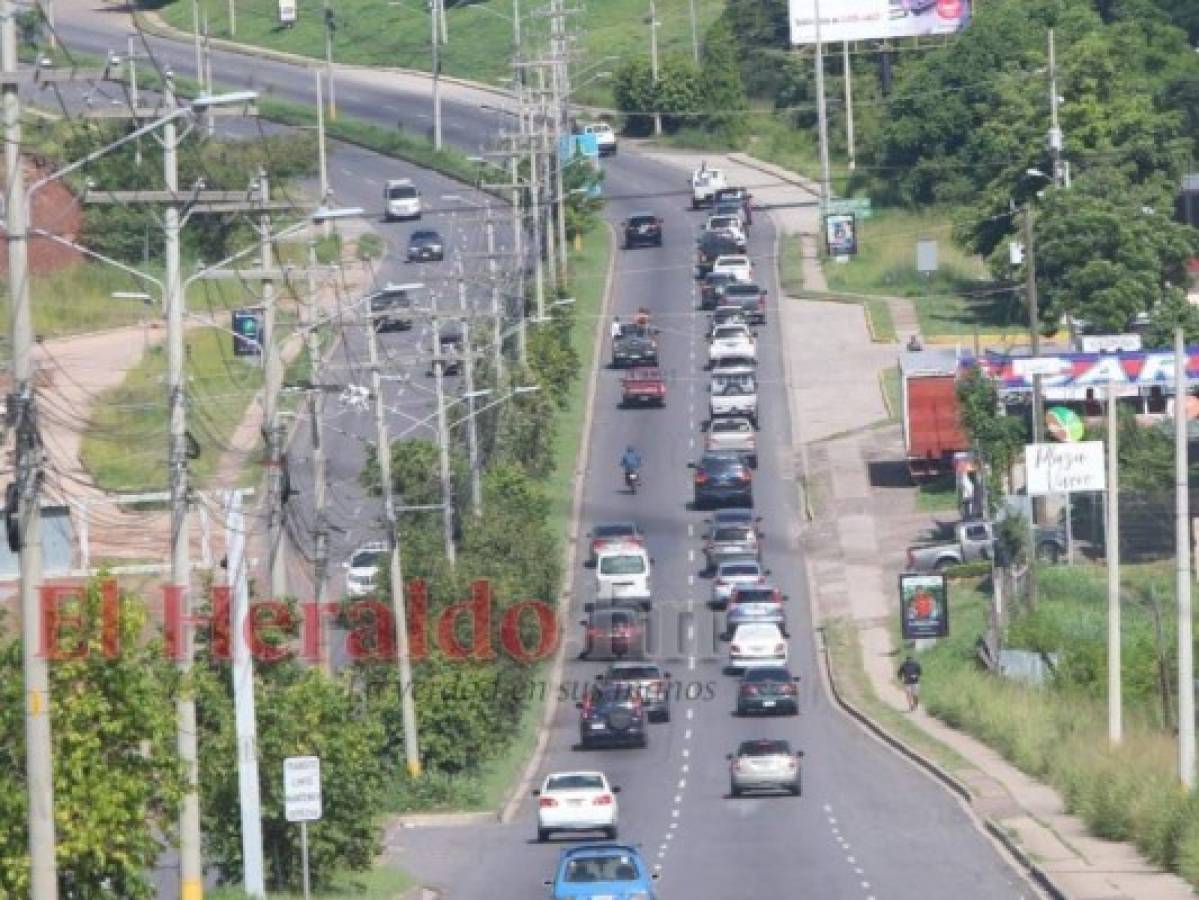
396,33
124,448
382,883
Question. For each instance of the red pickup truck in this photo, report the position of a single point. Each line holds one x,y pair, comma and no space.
643,387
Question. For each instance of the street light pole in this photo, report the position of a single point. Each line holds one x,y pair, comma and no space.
826,188
472,430
272,384
653,60
443,448
436,44
316,415
39,748
1182,553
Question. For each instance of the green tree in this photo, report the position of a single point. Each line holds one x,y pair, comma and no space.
633,92
116,774
724,92
999,438
300,712
680,96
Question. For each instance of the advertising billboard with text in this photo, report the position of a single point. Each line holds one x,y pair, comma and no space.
866,20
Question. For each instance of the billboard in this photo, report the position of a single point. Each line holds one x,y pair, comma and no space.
287,12
865,20
247,332
1125,368
923,606
586,146
841,234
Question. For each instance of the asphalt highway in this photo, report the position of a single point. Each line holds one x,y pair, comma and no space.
868,824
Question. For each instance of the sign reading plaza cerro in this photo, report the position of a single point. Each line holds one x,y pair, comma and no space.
1064,468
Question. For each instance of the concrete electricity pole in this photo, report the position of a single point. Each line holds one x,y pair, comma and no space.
653,59
826,187
403,650
494,281
443,447
39,750
316,412
851,149
1115,715
468,378
330,27
436,45
1182,553
272,385
694,32
1054,140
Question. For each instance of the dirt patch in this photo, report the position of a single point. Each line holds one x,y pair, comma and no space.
58,211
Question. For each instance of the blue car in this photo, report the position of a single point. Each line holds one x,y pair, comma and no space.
608,871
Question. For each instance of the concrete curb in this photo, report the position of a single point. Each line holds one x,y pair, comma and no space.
1034,871
154,24
443,820
522,787
771,169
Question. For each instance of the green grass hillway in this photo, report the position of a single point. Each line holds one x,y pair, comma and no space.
397,34
1058,733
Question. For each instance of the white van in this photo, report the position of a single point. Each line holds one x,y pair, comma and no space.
401,200
605,137
622,573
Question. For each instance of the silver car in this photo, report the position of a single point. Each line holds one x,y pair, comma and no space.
765,765
756,603
732,574
725,540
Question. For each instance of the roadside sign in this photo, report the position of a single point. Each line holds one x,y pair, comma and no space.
302,788
923,606
287,12
926,257
1064,468
248,325
858,206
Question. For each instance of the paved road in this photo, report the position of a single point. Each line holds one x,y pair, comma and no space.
868,825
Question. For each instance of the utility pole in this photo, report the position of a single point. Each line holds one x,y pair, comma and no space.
435,43
443,447
849,133
131,64
403,651
39,748
208,72
322,156
826,188
316,412
472,431
537,206
330,27
272,384
48,12
1055,132
232,18
518,243
1034,336
560,107
191,862
1115,715
242,671
1182,554
541,137
653,60
445,31
493,278
694,32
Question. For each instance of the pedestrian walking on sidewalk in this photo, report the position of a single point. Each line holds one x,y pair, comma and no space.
909,675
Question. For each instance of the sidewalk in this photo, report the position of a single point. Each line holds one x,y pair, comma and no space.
852,463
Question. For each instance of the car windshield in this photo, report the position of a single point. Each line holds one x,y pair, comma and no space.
764,748
731,426
747,290
600,129
722,222
729,385
575,783
366,559
738,261
766,674
739,570
431,236
733,534
634,672
401,192
601,868
755,595
630,564
728,332
761,632
642,220
610,531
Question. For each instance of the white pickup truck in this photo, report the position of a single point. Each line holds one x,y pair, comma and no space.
734,393
705,183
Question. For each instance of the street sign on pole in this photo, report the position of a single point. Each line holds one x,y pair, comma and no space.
926,257
858,206
302,800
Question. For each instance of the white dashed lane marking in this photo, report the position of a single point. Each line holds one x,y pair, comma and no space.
850,859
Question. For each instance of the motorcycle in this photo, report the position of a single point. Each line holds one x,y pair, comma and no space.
631,479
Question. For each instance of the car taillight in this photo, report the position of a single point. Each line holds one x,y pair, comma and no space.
788,688
749,689
700,478
761,579
603,800
547,801
735,649
792,763
593,632
762,302
780,648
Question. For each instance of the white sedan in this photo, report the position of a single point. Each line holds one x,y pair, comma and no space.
730,224
577,801
732,574
732,341
738,266
757,644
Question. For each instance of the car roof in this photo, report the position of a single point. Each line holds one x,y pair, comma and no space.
766,673
740,562
750,627
643,214
777,744
624,548
632,664
398,181
743,287
731,423
729,516
581,773
426,232
605,849
628,526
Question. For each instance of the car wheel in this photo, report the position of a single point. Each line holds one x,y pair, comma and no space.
797,788
643,741
610,833
734,790
543,835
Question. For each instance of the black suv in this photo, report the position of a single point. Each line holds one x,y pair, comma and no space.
642,229
722,479
736,195
452,346
426,245
391,307
613,714
768,689
636,347
711,245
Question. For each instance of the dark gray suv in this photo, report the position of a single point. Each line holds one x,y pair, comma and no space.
613,714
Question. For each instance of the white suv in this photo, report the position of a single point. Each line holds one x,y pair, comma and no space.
705,183
739,267
401,200
605,137
362,569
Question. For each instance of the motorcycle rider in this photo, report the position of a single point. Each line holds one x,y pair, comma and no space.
630,462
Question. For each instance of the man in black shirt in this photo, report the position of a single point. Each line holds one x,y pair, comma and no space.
909,675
